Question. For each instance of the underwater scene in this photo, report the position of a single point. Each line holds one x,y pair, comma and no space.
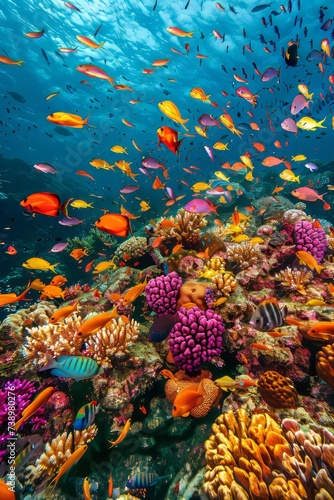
167,250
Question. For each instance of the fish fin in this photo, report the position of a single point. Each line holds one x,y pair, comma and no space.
321,196
86,122
116,296
64,206
19,423
51,363
20,62
273,300
52,268
293,321
186,414
321,122
318,268
298,179
125,319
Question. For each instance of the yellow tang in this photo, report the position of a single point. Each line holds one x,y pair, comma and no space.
118,149
221,176
221,146
288,175
200,186
200,131
103,266
172,111
298,158
81,204
40,264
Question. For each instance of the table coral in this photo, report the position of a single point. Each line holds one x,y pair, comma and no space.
161,293
258,459
112,341
325,364
277,391
294,279
244,254
196,338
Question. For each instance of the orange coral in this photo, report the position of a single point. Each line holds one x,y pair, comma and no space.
277,391
325,364
193,291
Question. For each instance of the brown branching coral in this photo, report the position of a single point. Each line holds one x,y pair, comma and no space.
325,364
57,339
184,228
257,459
112,341
224,284
244,254
294,279
277,391
57,452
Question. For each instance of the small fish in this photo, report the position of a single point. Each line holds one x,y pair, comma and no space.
40,400
63,312
123,434
86,416
227,383
76,367
268,315
72,459
115,224
187,399
308,260
40,264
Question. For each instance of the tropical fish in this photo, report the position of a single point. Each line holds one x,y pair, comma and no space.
304,90
78,253
179,32
291,55
298,158
11,298
90,43
94,72
86,416
143,480
45,203
272,161
169,137
308,123
198,93
116,224
123,434
40,264
288,175
63,312
307,194
298,104
76,367
198,205
86,489
118,149
246,94
103,266
40,400
227,383
268,316
144,206
125,167
131,295
99,163
95,323
45,167
221,146
172,112
8,60
52,292
68,120
228,123
187,399
81,204
72,460
58,280
308,260
6,491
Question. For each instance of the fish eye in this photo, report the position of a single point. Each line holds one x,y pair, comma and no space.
98,221
25,200
258,320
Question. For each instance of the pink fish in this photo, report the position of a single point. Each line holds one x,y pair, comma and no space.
307,194
145,171
151,163
129,189
59,247
219,191
71,221
210,153
45,167
170,193
199,206
71,6
298,104
289,125
208,121
246,94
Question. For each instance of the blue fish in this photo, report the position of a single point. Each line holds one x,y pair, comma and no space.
76,367
141,480
86,416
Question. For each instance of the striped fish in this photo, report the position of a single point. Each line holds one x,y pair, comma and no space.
76,367
268,316
86,416
142,480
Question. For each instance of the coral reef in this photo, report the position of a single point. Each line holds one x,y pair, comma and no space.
244,254
293,279
184,228
161,293
133,248
197,337
294,215
277,391
259,459
112,341
325,364
190,267
311,239
193,292
92,241
224,284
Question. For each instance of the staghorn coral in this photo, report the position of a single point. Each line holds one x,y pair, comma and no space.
135,247
244,254
112,341
57,452
185,228
257,459
294,279
277,391
224,284
57,339
325,364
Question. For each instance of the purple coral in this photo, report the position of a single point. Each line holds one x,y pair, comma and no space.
190,266
196,338
311,239
161,293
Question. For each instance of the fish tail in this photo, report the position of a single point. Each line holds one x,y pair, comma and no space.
183,124
177,149
318,268
321,197
23,294
309,96
320,123
101,44
20,62
298,179
125,319
52,268
64,207
19,423
86,121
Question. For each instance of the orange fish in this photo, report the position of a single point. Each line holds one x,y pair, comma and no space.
10,298
160,62
45,203
127,214
58,280
272,161
72,459
95,323
277,144
131,295
31,409
169,137
8,60
277,189
157,184
187,399
85,174
63,312
89,266
11,250
261,347
78,253
259,147
5,492
52,292
123,434
116,224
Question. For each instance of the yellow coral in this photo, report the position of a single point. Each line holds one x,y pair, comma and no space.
224,284
112,341
294,279
244,254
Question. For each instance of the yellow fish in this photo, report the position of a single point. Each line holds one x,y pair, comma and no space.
298,158
172,111
288,175
308,123
240,237
308,260
118,149
124,166
81,204
256,239
247,161
40,264
144,206
68,120
228,123
221,176
103,266
200,186
200,131
315,302
99,163
221,146
90,43
249,176
304,90
198,93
